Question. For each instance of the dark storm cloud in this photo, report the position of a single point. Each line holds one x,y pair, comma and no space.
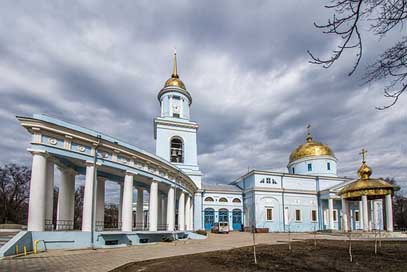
245,64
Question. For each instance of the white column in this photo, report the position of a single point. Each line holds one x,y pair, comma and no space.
100,203
171,209
119,215
181,211
140,209
88,198
49,202
66,200
365,213
38,184
361,215
188,212
153,207
127,209
331,213
345,215
389,213
164,213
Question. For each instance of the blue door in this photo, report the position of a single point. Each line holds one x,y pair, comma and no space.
223,215
237,219
209,217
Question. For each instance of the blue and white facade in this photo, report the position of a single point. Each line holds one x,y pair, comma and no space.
302,199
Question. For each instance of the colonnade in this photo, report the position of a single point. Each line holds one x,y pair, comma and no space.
163,203
365,214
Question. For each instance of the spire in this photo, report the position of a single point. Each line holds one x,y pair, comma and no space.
174,70
309,136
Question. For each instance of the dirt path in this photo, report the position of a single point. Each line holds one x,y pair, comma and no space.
327,256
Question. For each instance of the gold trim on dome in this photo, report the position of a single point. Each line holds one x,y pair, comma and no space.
310,149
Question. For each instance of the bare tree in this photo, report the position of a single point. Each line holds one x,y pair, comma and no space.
79,194
383,16
14,193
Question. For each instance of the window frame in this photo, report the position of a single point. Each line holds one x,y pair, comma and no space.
335,215
309,167
177,138
328,166
312,215
267,214
299,210
221,200
356,218
213,200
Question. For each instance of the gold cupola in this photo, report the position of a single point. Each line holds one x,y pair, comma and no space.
372,188
310,148
174,83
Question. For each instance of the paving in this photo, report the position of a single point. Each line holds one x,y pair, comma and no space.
107,259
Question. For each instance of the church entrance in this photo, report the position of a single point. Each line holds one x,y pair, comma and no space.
209,218
223,215
237,219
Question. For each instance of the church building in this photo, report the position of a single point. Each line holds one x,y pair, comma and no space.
309,196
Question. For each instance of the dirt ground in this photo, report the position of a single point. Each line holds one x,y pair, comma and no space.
327,256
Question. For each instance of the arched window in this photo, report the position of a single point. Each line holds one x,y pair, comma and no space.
177,150
222,199
236,200
209,199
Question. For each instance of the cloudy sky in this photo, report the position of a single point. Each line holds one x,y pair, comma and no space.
101,65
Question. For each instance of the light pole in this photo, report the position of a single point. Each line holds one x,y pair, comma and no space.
94,186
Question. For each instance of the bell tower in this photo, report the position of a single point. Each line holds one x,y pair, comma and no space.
175,134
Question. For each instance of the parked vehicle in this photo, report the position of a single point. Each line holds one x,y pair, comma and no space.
220,227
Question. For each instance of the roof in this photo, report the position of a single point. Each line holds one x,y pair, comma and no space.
221,187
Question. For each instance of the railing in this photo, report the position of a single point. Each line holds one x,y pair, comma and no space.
162,227
112,225
141,226
60,225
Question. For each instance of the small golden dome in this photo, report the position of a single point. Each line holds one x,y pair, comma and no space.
364,171
310,149
372,188
175,82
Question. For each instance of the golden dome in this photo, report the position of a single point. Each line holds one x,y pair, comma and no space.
310,149
174,81
373,188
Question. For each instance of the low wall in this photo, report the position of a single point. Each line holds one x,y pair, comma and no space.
82,239
21,239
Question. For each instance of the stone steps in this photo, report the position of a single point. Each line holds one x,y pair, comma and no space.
5,237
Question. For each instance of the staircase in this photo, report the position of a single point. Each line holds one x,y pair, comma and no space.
6,236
